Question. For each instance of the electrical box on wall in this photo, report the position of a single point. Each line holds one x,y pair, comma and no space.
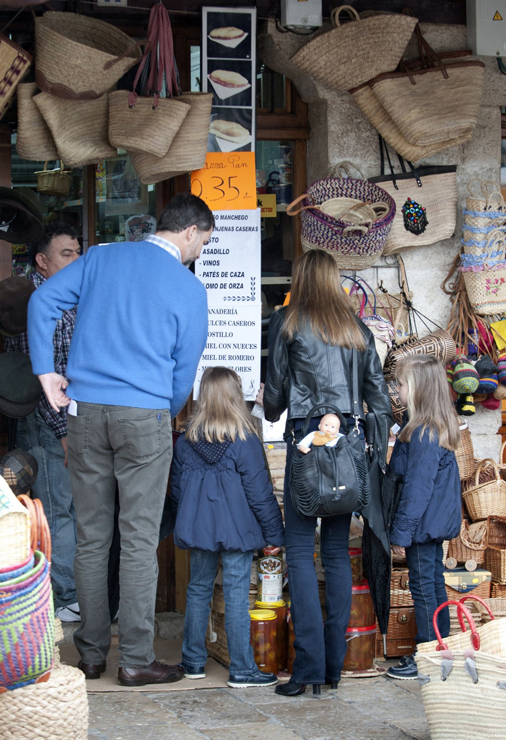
301,13
486,27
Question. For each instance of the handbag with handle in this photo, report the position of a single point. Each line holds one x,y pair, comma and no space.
330,481
149,124
432,187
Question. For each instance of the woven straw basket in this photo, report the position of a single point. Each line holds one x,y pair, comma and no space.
458,708
462,548
496,548
53,182
189,147
484,195
384,124
79,56
439,343
435,109
486,499
143,128
14,529
345,56
34,140
492,640
486,284
79,128
350,246
465,452
497,606
14,65
55,710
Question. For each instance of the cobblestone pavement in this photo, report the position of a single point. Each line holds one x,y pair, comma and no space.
361,709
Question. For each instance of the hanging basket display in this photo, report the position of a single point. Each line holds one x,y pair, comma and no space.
53,182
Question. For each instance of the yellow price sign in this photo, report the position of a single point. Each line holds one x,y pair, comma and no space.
227,182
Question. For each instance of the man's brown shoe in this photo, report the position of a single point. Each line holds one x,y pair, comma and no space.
154,673
92,671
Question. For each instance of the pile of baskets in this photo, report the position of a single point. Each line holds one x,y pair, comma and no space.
39,698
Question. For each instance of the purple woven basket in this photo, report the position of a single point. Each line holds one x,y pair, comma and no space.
351,250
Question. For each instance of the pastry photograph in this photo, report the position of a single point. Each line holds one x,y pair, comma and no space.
229,135
229,36
227,83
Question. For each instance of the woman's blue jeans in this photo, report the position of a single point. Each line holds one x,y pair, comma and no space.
236,579
427,586
319,649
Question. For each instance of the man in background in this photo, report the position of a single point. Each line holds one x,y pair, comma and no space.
43,433
140,330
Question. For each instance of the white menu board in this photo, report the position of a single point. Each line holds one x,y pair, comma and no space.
229,267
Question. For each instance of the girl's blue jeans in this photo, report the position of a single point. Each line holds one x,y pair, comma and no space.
236,580
427,586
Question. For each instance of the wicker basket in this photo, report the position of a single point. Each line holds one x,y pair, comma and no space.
497,591
486,474
53,182
465,453
462,548
189,147
492,638
486,283
55,710
482,590
438,343
79,57
496,548
14,529
350,53
497,606
34,140
14,65
486,499
400,595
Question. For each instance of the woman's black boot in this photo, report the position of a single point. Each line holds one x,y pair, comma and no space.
291,688
331,682
317,689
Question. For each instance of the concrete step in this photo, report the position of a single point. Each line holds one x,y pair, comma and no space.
168,626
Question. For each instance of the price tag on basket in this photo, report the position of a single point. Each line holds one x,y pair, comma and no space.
227,181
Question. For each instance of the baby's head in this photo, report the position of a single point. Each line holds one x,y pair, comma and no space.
329,424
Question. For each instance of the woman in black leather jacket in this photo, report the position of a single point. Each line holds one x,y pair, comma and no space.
310,363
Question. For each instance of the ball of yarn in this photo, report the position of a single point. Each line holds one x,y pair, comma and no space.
465,378
501,368
487,371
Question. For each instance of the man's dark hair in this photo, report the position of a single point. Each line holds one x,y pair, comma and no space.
185,210
56,229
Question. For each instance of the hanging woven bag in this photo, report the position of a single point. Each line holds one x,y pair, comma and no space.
34,139
149,124
485,278
345,56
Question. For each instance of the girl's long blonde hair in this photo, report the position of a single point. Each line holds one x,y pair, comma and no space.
429,402
317,299
221,411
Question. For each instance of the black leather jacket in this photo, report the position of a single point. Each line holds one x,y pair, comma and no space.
304,371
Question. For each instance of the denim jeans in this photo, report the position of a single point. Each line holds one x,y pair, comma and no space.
427,586
236,579
319,649
130,447
53,488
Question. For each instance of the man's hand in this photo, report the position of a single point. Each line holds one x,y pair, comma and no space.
65,444
398,550
54,386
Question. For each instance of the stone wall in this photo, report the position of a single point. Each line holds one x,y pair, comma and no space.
339,131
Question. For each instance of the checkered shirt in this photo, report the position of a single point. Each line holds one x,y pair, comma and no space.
56,421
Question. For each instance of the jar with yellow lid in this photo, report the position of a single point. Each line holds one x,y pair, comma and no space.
281,629
263,639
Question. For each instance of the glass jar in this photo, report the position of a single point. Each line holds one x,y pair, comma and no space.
362,608
263,639
270,577
355,554
361,648
279,607
291,640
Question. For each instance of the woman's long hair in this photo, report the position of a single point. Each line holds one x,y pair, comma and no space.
318,300
221,411
429,402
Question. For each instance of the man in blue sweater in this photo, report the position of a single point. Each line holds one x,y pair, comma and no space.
141,327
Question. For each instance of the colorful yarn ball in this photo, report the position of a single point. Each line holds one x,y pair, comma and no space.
501,368
465,405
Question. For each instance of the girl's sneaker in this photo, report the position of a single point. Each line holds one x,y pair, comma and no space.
192,672
406,670
256,679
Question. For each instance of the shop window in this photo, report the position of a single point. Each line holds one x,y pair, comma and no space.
125,208
68,208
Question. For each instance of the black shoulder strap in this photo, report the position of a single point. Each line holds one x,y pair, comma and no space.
356,410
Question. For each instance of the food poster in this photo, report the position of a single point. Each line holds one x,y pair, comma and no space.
229,72
229,268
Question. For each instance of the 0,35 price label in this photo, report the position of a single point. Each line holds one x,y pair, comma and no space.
227,181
